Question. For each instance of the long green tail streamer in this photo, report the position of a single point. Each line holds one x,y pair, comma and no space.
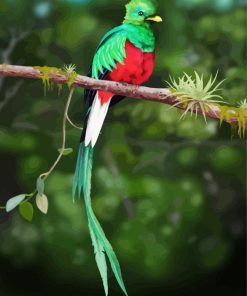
82,183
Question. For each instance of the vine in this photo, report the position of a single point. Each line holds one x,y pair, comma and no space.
22,201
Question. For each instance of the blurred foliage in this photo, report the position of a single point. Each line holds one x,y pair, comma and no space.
170,194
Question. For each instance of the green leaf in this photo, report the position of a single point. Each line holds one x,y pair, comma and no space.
40,185
42,203
66,151
14,202
26,211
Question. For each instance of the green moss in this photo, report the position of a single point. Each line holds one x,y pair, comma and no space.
71,79
234,114
70,73
46,72
241,122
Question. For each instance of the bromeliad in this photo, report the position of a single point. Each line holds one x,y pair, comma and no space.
125,54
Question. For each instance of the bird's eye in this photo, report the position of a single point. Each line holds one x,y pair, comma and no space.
140,13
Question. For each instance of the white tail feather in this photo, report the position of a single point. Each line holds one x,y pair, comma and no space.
95,121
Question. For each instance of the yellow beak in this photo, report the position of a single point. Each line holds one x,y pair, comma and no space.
156,19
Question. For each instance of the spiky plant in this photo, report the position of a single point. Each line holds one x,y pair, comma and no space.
195,94
243,104
70,73
69,69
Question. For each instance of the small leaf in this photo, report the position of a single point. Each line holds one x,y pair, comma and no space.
26,211
42,203
40,185
66,151
14,202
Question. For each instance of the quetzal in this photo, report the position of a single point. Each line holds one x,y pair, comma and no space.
125,54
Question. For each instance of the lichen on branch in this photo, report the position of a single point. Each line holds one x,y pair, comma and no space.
47,72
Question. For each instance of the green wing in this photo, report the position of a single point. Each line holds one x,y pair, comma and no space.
110,51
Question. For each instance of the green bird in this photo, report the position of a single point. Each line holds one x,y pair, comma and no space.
125,54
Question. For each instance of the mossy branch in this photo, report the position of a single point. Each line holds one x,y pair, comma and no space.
232,115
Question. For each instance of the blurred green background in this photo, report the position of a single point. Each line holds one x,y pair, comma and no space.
170,194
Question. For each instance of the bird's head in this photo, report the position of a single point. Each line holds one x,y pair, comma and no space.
141,12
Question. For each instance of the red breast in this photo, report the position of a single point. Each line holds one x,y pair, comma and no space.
137,68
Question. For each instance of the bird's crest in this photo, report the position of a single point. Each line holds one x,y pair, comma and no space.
138,10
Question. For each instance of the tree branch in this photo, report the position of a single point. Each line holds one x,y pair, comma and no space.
161,95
